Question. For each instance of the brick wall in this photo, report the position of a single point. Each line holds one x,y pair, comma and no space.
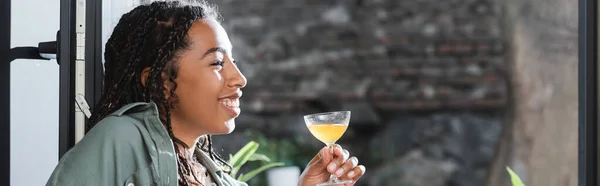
400,55
393,63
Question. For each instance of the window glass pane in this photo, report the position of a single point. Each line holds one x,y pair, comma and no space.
34,93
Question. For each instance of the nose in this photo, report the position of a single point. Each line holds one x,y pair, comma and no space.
235,78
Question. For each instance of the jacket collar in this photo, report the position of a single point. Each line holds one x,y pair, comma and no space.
165,156
215,171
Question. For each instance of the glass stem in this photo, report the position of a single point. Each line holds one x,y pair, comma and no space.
332,177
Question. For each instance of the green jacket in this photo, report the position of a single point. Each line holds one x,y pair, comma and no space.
129,147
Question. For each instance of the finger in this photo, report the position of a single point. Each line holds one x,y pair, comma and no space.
356,172
340,157
346,167
338,161
338,150
325,155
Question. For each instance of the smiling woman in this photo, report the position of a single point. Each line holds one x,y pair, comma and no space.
170,83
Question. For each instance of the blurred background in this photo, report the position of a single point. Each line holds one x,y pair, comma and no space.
442,93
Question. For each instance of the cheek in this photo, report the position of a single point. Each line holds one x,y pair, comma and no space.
198,92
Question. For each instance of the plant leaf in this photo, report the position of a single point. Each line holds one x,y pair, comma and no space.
514,178
255,172
242,156
259,157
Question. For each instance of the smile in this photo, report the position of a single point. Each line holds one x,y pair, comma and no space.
233,103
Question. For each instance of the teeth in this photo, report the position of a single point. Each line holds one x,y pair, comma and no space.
230,103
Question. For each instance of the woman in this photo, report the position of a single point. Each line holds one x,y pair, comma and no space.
170,82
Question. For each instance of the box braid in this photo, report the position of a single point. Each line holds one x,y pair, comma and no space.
153,35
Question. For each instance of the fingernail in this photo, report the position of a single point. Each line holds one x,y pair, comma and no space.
351,174
331,167
339,172
354,160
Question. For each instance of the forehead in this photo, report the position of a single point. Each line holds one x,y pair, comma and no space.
208,33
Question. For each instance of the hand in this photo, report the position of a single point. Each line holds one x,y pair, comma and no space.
324,163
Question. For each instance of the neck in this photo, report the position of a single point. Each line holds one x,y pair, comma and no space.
189,150
185,134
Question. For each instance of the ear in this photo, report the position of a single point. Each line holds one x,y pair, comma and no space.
144,75
167,85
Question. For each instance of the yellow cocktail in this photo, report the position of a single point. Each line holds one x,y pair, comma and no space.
328,133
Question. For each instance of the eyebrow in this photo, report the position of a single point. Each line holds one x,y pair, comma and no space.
213,50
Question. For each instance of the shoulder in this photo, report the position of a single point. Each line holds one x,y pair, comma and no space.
123,129
106,155
124,125
112,150
115,128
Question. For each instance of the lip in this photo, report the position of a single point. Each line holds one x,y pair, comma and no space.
234,95
233,111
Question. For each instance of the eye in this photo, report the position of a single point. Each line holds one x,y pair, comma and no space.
218,64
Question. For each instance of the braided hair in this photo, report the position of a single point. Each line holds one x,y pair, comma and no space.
153,35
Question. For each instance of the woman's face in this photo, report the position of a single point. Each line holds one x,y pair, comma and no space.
208,82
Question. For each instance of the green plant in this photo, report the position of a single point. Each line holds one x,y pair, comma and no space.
514,178
290,150
248,153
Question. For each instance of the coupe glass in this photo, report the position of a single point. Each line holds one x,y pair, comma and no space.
328,127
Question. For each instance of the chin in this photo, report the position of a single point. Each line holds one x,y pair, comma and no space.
224,129
229,126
